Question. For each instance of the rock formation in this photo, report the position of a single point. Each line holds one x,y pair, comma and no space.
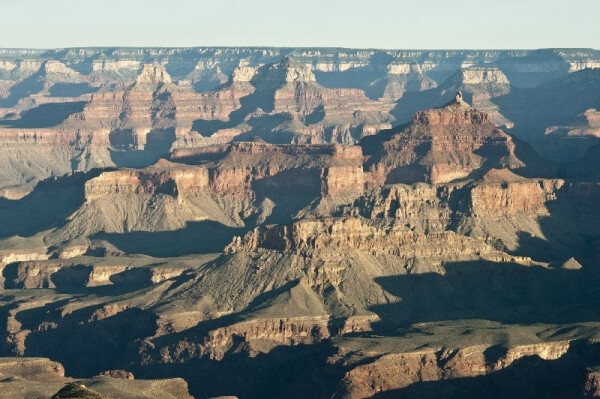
39,377
440,145
217,220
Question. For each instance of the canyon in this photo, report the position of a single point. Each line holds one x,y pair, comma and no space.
328,223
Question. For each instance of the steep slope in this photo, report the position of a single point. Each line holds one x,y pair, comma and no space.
251,268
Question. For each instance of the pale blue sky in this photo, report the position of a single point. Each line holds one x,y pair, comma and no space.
327,23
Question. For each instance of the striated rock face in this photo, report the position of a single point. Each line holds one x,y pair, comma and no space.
8,258
340,179
395,371
502,193
287,70
216,343
441,145
227,240
246,167
327,169
79,109
375,236
162,178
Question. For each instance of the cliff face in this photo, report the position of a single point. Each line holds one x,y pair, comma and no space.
393,372
134,124
503,193
198,62
440,145
460,115
26,377
240,170
78,109
232,240
382,236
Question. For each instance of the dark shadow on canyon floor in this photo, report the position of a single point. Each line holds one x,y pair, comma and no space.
196,238
505,292
87,346
46,115
301,371
124,151
47,206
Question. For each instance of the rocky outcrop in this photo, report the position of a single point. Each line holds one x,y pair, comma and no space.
395,371
591,388
75,390
440,145
457,112
53,274
33,369
240,170
475,76
153,76
161,178
9,257
422,207
379,236
39,377
127,375
216,343
501,193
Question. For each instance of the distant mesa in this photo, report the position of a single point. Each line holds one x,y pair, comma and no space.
243,74
478,76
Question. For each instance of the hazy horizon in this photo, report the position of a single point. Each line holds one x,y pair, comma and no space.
378,24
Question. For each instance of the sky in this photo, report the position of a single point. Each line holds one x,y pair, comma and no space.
390,24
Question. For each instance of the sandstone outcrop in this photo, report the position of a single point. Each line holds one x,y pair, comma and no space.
82,272
439,146
39,377
592,383
235,236
394,371
380,236
501,192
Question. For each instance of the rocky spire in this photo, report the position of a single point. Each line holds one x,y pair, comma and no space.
456,112
458,97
